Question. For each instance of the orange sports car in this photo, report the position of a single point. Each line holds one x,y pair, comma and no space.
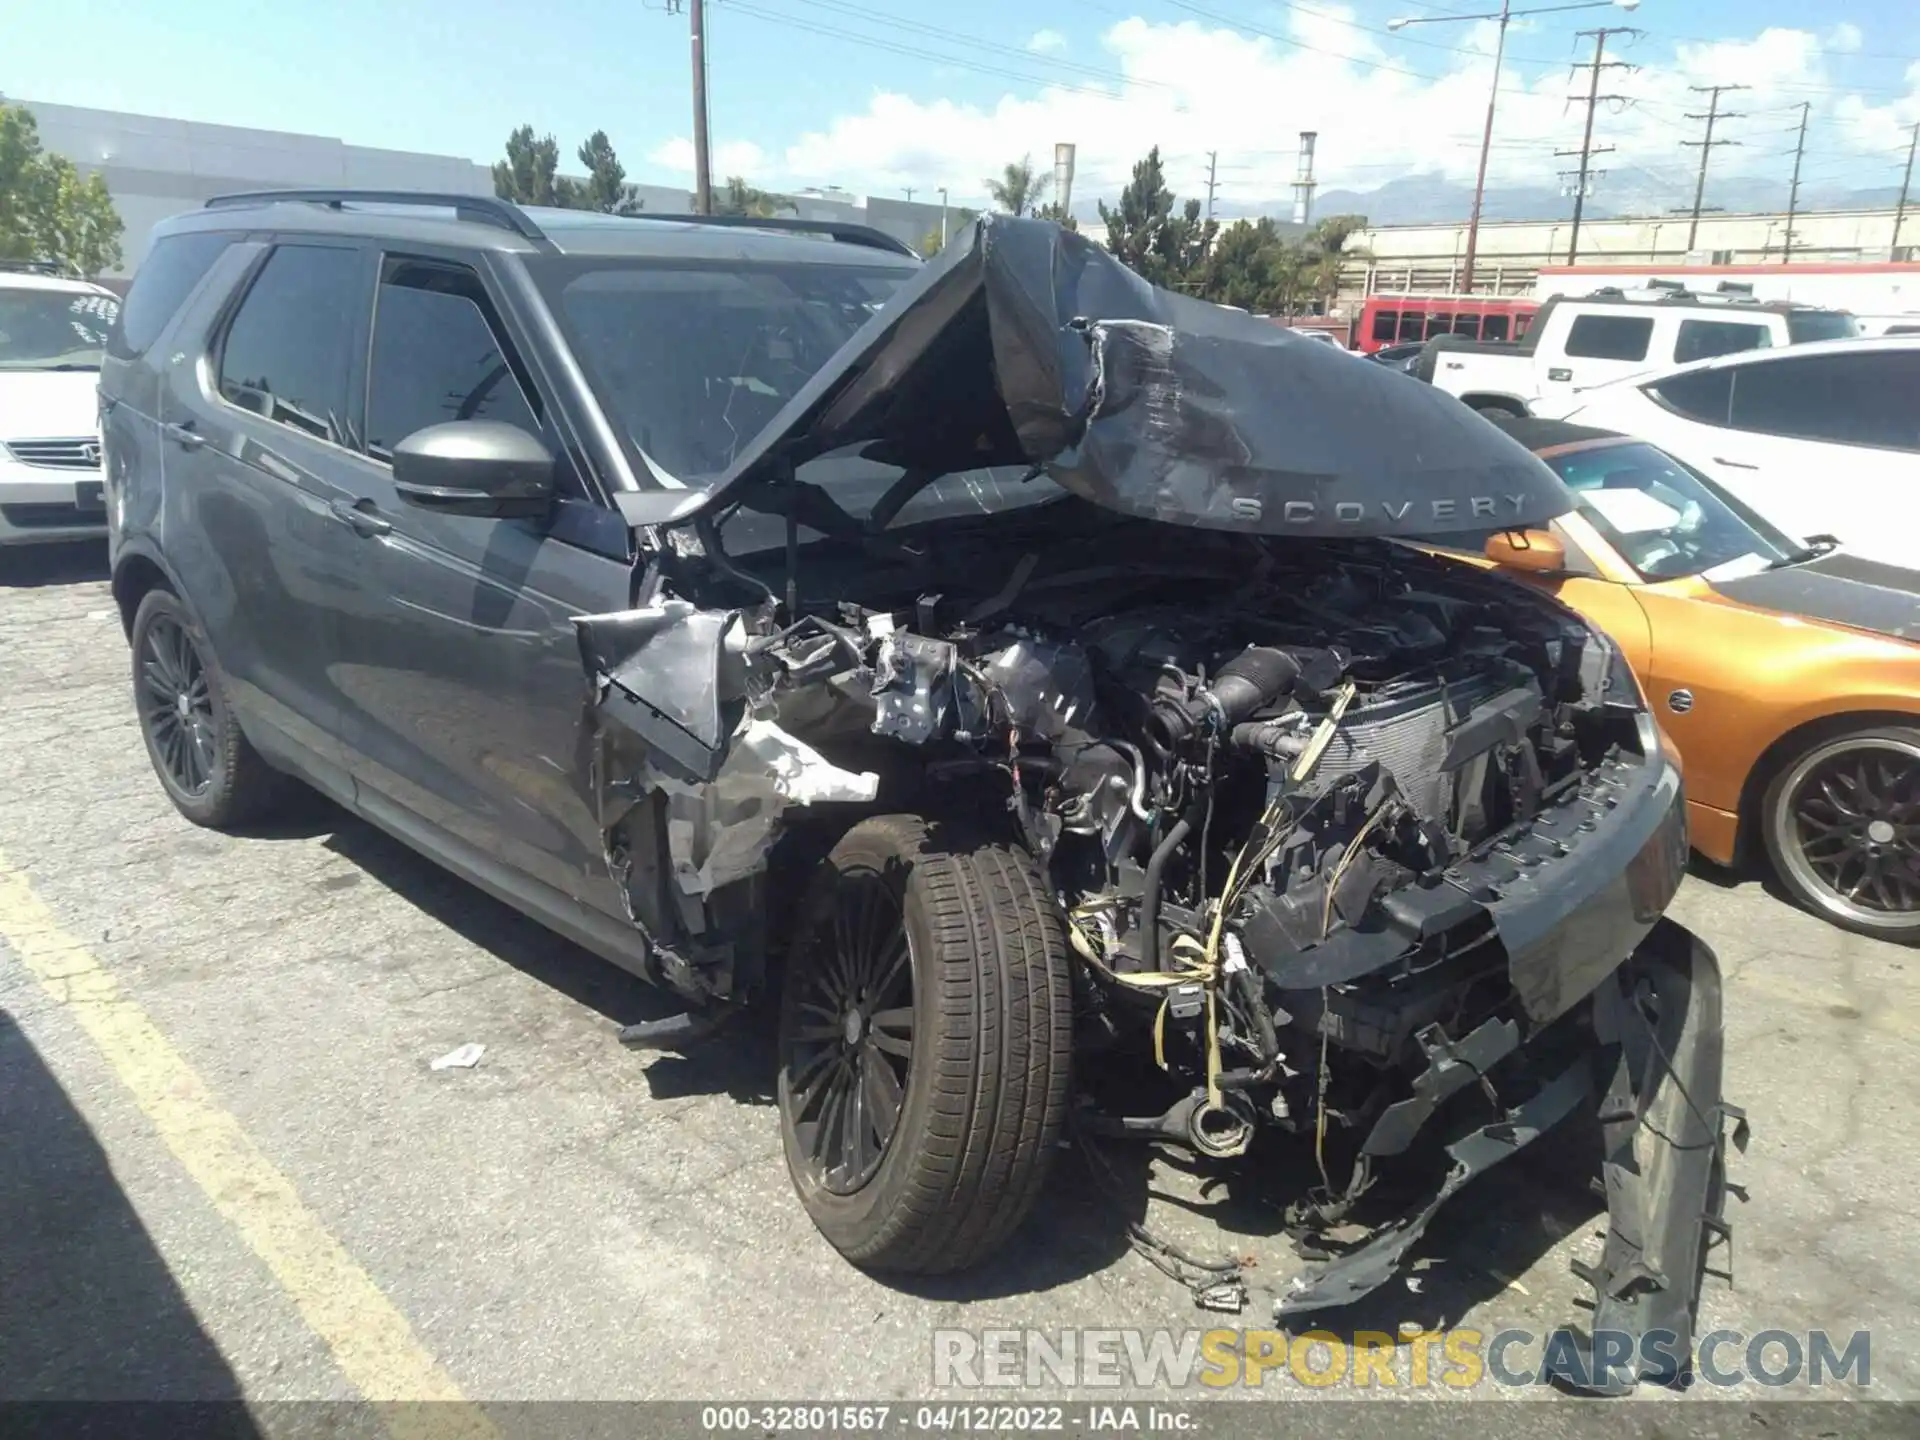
1787,673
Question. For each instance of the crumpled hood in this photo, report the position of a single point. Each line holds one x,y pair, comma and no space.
1025,344
49,404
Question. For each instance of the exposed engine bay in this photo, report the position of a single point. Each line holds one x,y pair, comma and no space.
1286,796
1351,842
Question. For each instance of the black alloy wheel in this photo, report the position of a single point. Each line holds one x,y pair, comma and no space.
210,772
1843,828
926,1039
176,706
850,1048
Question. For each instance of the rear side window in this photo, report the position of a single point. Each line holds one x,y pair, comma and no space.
167,276
1860,399
1701,395
289,350
1610,337
1704,339
437,355
1805,325
1384,322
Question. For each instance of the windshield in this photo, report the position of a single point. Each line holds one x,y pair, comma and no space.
1665,520
54,329
691,360
1806,325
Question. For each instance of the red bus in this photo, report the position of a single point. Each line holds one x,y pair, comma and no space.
1403,319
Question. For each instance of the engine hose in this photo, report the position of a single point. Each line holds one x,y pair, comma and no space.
1156,871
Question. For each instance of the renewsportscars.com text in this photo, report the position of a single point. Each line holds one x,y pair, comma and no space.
1461,1359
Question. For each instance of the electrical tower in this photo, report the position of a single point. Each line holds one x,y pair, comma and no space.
1713,116
1583,177
1213,161
1793,194
1900,211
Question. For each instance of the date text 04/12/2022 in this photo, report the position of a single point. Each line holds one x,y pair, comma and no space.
941,1419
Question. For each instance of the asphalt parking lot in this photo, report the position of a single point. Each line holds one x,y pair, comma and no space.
226,1167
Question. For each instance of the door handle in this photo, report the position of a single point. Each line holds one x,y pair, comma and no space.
1733,464
183,434
361,517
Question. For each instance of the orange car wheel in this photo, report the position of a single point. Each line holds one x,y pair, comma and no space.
1842,827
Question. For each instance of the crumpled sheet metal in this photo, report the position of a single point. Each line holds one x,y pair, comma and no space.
720,832
1027,344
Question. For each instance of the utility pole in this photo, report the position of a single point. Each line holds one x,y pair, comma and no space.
702,170
1900,210
943,217
909,194
1593,98
1213,161
1706,145
1793,194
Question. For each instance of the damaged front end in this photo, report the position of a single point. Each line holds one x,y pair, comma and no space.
1357,844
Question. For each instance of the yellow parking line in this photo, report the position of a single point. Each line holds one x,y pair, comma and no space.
370,1340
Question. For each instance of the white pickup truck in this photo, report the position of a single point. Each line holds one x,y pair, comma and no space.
1577,342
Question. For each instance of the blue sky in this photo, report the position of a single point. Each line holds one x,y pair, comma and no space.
880,94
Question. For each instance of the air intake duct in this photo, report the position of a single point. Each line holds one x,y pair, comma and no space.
1257,676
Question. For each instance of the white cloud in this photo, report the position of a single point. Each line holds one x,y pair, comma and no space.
1844,38
1382,112
737,157
1047,42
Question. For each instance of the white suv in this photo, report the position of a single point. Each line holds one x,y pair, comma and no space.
1820,439
53,331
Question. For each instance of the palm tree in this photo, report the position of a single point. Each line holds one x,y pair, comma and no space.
1327,244
1019,189
740,198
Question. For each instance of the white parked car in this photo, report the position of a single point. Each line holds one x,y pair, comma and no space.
1578,342
1822,439
53,331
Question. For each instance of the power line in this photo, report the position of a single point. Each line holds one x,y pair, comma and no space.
1706,146
1592,98
1906,180
1793,194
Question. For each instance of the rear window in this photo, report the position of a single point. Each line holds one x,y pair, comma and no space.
1702,395
166,277
1610,337
1704,339
1805,325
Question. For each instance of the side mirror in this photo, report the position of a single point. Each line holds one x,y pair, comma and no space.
1535,551
474,467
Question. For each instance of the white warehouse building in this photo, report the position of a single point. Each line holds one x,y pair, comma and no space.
1429,259
156,168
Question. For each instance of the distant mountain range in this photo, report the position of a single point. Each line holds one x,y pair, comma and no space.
1433,199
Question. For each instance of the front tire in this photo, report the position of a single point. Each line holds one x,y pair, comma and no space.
925,1044
209,771
1841,823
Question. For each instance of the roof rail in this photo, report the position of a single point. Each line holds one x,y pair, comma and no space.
35,267
484,209
842,231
